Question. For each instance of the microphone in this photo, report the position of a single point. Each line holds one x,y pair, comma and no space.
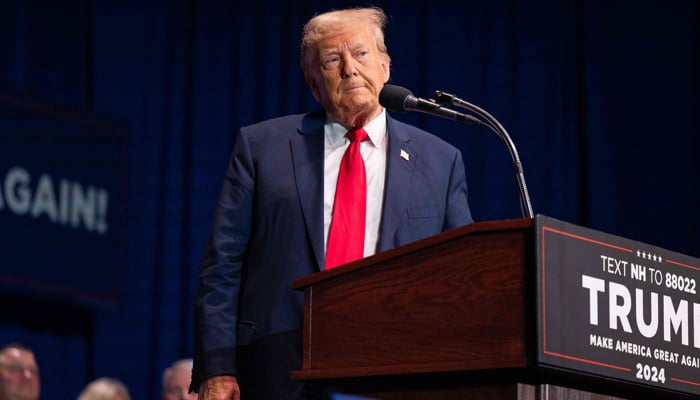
447,98
399,99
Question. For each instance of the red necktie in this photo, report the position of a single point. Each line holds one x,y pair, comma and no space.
346,237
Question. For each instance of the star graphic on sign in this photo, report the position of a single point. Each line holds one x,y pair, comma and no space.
644,254
639,253
655,257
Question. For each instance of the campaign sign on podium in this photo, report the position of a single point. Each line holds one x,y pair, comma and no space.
618,308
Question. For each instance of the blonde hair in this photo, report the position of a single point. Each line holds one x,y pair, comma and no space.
332,22
105,389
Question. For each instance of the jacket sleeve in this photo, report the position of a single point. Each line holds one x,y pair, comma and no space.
216,301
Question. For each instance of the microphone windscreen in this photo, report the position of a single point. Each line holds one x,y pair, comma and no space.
393,97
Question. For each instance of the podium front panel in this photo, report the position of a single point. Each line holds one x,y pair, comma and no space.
456,303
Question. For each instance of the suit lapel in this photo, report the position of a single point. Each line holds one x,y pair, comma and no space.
307,159
400,161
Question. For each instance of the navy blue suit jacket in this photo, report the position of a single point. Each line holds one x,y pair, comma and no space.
268,231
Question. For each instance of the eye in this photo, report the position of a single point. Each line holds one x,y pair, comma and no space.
330,62
362,53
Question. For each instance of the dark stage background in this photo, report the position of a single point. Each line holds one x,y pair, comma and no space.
601,98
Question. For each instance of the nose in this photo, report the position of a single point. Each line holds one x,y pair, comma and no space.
348,69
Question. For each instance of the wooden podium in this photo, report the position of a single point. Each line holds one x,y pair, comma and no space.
448,317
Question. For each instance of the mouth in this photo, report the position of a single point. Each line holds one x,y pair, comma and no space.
356,88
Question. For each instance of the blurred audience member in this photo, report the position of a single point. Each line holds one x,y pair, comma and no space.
105,389
19,373
176,381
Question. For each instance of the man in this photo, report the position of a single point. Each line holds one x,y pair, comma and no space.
19,373
105,388
176,381
275,216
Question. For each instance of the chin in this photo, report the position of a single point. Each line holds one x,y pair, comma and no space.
362,103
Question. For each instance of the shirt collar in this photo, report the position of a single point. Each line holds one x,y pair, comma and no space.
376,130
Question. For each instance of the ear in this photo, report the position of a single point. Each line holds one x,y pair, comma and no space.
309,77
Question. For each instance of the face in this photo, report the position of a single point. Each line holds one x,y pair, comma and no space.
19,375
177,385
347,76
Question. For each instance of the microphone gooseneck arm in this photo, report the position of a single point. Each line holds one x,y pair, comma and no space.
400,99
447,98
430,107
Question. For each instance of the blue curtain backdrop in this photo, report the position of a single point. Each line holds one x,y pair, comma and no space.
601,98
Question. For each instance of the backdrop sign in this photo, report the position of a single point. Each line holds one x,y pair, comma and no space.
618,308
62,194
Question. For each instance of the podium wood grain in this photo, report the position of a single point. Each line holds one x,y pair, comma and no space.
449,303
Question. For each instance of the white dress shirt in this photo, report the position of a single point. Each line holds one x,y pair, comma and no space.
374,154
